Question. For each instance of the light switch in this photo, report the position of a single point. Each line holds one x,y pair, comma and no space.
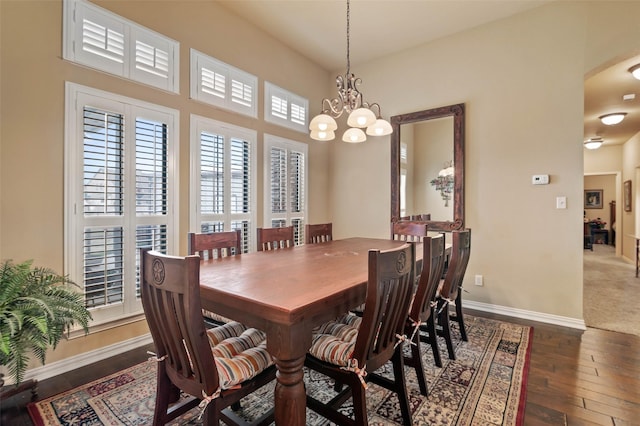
561,202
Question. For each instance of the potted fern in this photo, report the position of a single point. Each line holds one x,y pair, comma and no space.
36,307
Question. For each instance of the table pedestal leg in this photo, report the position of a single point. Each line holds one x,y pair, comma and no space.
290,394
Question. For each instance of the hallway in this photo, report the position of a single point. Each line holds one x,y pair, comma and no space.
611,292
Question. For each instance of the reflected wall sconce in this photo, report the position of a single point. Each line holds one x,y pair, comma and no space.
349,100
613,118
444,182
593,143
635,71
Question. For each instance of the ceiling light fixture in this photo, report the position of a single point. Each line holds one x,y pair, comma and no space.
635,71
611,119
349,100
593,143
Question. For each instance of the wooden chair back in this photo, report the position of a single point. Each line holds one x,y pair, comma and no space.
389,291
275,238
215,244
170,293
460,252
408,231
318,233
432,266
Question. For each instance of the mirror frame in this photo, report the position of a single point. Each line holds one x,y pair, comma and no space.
457,112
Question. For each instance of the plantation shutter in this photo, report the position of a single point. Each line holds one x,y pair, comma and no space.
287,197
220,84
103,195
224,178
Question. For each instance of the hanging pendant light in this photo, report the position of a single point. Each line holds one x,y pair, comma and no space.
349,100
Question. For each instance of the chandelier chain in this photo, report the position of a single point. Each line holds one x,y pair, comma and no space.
348,47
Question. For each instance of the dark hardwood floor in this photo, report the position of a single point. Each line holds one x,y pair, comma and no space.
576,378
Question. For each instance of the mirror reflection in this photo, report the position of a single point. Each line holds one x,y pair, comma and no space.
426,170
427,167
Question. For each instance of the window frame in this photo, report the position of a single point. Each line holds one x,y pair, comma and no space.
198,61
76,98
198,124
270,142
271,90
131,33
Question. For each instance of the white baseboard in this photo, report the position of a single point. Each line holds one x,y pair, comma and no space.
59,367
529,315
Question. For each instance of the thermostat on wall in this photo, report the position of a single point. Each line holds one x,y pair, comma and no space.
540,179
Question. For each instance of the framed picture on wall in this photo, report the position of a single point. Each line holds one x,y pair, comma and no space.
627,195
593,198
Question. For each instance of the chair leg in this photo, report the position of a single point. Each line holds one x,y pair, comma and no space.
164,395
401,386
416,363
460,317
443,321
359,404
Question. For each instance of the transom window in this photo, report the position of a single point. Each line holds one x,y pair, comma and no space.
99,39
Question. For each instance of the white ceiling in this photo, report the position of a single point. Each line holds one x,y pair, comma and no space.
317,29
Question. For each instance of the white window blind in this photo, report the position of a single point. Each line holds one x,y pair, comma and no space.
222,85
99,39
285,184
120,169
285,108
223,179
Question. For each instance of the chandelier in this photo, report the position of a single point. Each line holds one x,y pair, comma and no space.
349,100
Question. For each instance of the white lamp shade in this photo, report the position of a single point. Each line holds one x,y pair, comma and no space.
323,122
354,135
635,71
611,119
593,143
361,117
380,128
322,135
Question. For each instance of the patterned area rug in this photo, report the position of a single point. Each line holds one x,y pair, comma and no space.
485,385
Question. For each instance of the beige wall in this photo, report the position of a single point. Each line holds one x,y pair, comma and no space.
32,116
522,82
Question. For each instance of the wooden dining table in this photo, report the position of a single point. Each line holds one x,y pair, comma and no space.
287,293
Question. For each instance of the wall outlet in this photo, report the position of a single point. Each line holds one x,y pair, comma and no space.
479,281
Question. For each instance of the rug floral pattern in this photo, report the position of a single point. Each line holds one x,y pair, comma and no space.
484,386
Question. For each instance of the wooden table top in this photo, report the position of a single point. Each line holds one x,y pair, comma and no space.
289,285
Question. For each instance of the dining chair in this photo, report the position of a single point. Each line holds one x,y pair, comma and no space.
422,314
449,289
275,238
214,245
349,347
408,231
218,366
318,233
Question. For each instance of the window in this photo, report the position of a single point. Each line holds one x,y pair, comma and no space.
223,180
285,166
219,84
285,108
105,41
120,173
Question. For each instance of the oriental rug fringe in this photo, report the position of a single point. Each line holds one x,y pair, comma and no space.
485,385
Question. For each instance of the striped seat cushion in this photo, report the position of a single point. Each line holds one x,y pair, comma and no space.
240,353
334,341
